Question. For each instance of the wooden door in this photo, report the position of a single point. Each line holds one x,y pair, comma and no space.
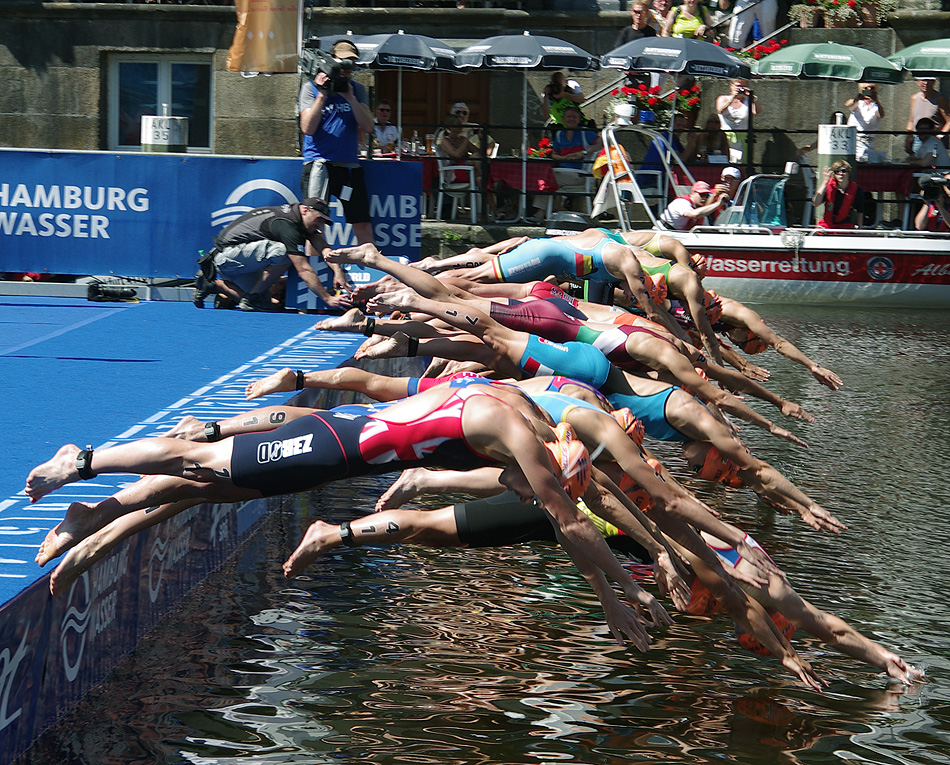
428,96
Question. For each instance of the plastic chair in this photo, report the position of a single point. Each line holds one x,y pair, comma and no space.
579,184
457,190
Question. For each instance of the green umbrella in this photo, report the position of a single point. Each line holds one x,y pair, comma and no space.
927,59
828,61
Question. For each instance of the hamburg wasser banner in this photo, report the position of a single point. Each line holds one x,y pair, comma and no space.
147,215
265,39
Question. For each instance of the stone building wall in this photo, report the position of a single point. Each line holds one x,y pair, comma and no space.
53,63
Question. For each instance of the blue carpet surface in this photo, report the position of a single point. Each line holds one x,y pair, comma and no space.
97,373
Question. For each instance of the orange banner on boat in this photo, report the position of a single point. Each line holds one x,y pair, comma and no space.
265,39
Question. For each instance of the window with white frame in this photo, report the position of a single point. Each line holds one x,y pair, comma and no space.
139,84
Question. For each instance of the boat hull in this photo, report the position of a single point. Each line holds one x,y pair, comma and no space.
800,266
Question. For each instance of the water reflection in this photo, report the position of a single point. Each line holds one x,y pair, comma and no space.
501,656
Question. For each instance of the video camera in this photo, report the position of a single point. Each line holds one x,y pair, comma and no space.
930,187
313,61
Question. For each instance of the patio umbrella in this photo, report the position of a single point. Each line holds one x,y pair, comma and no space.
524,52
925,59
684,56
829,61
676,55
401,51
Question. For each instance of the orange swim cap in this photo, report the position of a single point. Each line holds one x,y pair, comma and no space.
656,286
570,460
636,493
701,600
716,467
754,344
752,644
747,340
700,264
631,424
713,306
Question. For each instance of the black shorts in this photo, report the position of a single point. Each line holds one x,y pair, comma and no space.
356,208
500,521
301,455
504,520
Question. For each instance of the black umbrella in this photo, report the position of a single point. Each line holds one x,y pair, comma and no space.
524,52
676,55
401,51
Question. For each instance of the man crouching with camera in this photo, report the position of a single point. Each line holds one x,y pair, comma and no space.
935,214
333,108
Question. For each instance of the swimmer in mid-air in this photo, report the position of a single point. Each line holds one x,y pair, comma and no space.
439,427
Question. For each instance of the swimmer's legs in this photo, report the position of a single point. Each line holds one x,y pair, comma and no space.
83,519
97,545
481,482
168,456
432,528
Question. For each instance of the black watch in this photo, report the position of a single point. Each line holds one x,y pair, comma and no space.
346,534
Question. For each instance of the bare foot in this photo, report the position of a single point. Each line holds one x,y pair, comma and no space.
318,538
354,255
386,285
77,561
395,347
351,321
278,382
402,299
53,473
82,519
188,429
366,292
404,488
426,264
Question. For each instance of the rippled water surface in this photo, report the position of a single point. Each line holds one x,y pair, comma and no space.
501,656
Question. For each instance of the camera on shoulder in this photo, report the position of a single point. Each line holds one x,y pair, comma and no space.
313,61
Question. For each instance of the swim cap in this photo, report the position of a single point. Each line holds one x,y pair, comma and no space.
636,493
570,460
656,286
718,468
700,264
701,600
631,424
754,344
747,641
713,306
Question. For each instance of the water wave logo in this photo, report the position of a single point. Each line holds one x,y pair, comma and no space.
233,209
74,625
9,664
157,557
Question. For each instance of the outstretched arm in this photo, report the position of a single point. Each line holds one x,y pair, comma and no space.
738,382
681,368
745,367
755,323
